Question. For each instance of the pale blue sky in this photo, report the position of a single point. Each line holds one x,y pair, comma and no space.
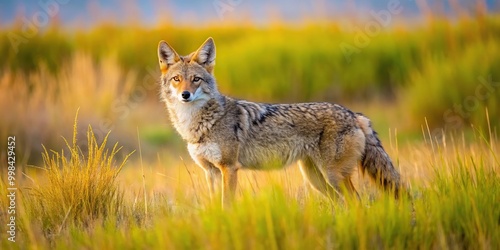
196,12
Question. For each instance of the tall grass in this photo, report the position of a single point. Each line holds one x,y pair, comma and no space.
77,187
455,185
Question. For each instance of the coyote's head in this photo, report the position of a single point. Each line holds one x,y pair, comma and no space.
187,78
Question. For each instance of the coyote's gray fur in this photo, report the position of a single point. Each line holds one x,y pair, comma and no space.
224,134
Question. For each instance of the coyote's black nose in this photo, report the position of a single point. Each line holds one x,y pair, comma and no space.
185,95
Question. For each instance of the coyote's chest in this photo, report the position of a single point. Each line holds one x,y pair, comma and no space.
184,116
192,120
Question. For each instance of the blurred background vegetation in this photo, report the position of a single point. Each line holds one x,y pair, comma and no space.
439,72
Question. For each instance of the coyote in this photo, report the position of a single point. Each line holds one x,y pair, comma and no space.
224,134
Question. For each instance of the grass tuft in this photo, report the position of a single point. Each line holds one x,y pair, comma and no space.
79,188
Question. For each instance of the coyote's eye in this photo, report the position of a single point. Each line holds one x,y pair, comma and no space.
176,78
196,79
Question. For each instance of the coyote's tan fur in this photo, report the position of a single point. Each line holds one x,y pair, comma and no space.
225,134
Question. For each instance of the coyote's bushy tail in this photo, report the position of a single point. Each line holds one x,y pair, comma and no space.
377,162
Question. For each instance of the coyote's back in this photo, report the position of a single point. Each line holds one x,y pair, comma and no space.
224,134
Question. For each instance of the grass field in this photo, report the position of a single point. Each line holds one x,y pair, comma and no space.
122,177
84,201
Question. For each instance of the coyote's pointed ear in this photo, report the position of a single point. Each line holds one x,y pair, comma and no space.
167,56
205,55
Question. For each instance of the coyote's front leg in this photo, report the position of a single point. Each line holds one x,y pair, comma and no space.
229,183
229,166
212,175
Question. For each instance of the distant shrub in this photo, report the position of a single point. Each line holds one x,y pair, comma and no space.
453,92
